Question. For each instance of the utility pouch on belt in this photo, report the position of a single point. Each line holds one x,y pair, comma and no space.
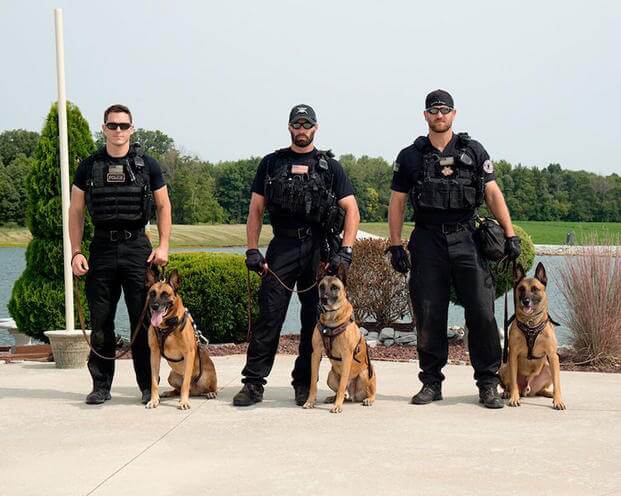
490,238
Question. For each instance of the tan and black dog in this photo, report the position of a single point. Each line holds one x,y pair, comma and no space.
171,335
345,346
533,364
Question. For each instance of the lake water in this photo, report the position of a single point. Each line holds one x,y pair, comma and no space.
13,262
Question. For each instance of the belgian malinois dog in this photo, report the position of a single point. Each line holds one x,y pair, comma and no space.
172,335
533,364
345,346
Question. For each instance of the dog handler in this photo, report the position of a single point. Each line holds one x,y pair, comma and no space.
447,177
119,185
306,192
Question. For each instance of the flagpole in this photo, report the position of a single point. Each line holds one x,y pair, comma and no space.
64,167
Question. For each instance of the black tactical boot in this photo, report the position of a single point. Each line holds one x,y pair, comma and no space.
249,395
427,394
301,394
488,395
97,397
146,396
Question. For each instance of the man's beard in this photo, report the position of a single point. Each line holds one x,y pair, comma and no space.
440,127
302,140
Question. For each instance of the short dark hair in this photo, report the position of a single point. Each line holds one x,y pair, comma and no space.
117,107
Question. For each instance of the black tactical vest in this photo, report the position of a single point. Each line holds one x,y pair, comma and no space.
307,197
448,183
119,191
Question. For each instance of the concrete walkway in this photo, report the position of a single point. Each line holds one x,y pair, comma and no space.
54,444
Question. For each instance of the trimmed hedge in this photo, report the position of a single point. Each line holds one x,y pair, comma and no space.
38,298
504,279
214,290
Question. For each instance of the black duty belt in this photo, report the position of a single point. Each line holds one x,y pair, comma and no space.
447,228
118,235
300,233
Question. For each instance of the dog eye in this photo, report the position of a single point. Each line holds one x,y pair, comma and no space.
322,287
152,294
334,287
534,289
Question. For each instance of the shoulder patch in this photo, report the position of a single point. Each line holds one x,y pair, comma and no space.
488,166
395,166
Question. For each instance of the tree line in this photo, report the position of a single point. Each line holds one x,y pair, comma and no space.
204,192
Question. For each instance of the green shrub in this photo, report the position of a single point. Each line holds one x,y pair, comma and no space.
38,298
504,278
214,290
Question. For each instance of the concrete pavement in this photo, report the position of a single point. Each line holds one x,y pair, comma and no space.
54,444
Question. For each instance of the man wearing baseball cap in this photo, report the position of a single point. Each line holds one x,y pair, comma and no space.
447,177
310,200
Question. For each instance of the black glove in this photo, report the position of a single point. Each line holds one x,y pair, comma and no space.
342,257
399,258
513,247
255,261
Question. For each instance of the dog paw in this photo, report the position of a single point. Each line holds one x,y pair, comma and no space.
153,403
367,402
336,409
183,405
558,404
309,404
211,395
514,401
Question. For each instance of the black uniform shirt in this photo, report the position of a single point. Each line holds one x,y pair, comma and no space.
409,164
82,175
341,185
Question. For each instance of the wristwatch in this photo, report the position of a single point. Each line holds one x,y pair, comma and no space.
347,249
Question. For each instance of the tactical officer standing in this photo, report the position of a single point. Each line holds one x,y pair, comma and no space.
309,197
448,176
119,185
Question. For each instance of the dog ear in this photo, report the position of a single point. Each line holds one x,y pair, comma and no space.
540,274
151,276
518,274
174,279
341,273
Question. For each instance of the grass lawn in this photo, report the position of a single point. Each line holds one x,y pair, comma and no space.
543,233
219,235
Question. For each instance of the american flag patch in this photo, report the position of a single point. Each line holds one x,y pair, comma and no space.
299,169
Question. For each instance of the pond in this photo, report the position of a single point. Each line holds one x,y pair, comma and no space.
13,261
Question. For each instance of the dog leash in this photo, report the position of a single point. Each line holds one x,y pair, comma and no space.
76,295
507,320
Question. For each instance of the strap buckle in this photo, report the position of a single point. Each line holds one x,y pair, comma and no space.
116,236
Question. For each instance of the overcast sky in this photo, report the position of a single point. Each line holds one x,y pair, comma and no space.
535,82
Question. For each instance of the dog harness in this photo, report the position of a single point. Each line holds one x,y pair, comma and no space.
329,333
170,325
531,333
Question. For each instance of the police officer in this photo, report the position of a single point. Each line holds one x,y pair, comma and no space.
304,189
119,185
448,176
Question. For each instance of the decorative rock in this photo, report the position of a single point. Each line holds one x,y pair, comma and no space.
388,333
388,342
407,338
364,331
372,336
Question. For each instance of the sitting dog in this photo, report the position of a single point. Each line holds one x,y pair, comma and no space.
533,362
173,336
345,346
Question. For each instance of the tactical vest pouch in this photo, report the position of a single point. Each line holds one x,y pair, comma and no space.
490,239
434,194
462,197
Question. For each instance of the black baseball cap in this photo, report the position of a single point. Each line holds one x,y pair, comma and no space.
302,112
438,98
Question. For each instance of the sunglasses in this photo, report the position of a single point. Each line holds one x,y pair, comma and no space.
116,125
305,125
442,110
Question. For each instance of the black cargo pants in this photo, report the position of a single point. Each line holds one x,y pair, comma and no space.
437,260
114,265
295,261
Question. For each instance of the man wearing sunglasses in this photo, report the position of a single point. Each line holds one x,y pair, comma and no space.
308,196
448,176
119,184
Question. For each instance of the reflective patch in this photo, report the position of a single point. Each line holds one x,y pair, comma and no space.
299,169
395,166
488,166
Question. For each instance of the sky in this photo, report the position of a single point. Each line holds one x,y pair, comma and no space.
535,82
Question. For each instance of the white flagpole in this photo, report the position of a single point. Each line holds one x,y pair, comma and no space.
64,166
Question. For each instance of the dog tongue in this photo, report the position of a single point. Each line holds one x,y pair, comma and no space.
157,317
